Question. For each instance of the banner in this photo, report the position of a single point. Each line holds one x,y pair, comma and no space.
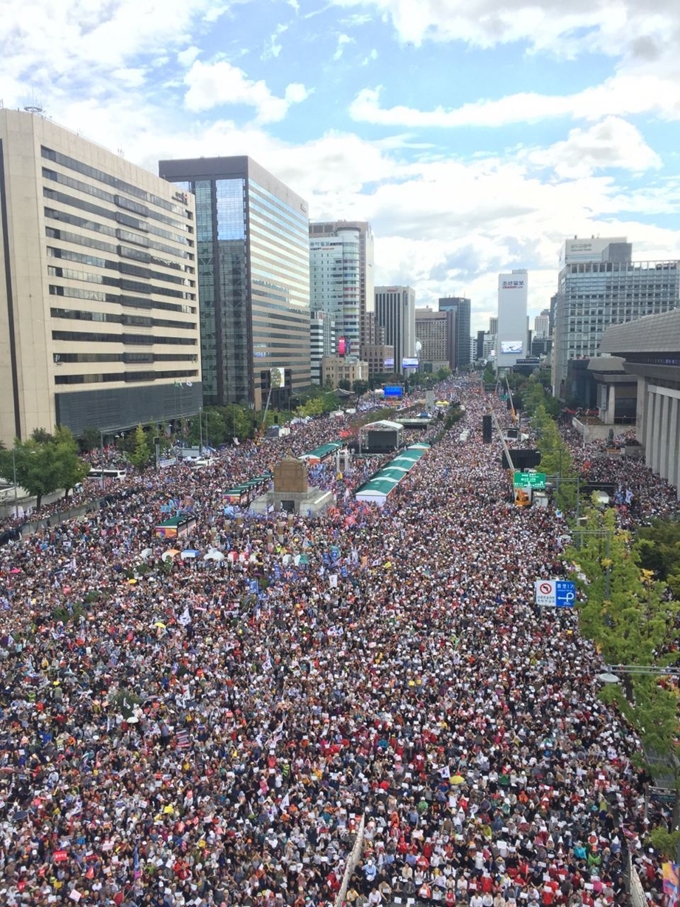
670,883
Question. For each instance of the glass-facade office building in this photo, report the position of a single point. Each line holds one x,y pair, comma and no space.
599,285
252,240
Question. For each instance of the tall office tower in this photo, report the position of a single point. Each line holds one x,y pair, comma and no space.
395,310
511,342
334,275
322,341
432,332
479,347
461,307
599,285
253,271
366,258
98,308
542,325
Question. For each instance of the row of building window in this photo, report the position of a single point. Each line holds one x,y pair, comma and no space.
122,266
112,318
124,376
99,175
123,283
128,357
95,227
141,339
136,302
119,216
627,267
119,200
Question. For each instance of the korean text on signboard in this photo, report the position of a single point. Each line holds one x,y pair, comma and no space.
555,593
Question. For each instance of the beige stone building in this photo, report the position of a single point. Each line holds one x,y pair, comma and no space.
99,323
335,369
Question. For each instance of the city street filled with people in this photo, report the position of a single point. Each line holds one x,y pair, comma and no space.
213,719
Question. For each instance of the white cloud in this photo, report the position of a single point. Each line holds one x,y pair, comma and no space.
215,84
610,143
342,41
551,25
187,56
52,45
274,47
621,95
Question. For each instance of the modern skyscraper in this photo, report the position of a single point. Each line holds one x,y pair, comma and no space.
395,310
542,325
461,306
511,343
599,285
322,338
366,256
253,270
98,309
334,271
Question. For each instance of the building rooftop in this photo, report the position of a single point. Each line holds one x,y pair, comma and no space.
651,334
606,364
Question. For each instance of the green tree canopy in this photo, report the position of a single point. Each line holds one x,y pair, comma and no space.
140,451
44,466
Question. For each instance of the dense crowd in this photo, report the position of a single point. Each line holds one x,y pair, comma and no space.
191,731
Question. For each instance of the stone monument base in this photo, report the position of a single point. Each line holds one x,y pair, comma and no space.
308,503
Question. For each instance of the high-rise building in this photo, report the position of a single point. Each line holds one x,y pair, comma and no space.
461,307
542,325
98,301
511,337
395,311
599,285
432,332
366,258
322,342
334,274
253,271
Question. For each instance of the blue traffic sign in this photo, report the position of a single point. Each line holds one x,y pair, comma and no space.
565,594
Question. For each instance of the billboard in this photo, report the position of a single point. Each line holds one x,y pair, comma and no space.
396,392
388,363
514,347
278,377
409,362
342,346
515,284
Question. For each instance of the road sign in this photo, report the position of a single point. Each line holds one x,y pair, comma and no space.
555,593
529,480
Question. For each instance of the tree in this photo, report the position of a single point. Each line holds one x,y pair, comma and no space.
140,452
90,439
238,422
360,387
72,469
344,384
628,614
36,468
443,373
658,547
41,435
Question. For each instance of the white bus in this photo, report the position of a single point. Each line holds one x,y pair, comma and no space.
97,473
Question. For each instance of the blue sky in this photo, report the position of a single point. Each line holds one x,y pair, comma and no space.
475,135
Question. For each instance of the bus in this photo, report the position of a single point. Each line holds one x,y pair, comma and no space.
97,473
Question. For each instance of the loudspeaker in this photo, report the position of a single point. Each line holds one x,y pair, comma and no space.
486,429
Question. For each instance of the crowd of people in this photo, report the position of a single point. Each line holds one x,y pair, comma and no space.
222,729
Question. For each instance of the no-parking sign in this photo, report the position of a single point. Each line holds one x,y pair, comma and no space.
555,593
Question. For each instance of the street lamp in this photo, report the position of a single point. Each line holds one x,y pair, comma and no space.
14,470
